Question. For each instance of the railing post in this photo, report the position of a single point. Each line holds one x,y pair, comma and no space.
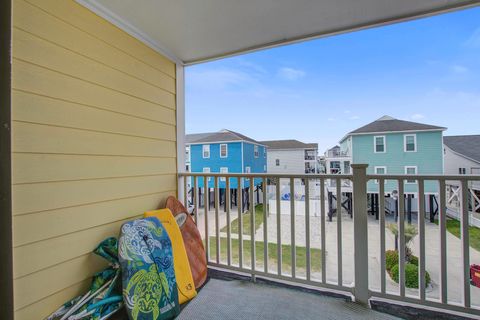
181,187
360,232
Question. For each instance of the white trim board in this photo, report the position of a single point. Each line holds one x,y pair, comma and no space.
180,126
124,25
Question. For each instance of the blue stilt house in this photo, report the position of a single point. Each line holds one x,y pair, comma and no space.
226,151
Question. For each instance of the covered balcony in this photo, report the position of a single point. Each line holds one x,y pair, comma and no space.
93,130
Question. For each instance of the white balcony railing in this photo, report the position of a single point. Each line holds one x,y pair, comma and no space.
291,240
338,154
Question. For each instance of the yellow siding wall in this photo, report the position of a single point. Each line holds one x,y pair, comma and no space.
93,117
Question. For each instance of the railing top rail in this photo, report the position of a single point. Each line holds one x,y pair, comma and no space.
445,177
266,175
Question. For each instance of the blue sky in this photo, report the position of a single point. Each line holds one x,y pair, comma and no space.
425,70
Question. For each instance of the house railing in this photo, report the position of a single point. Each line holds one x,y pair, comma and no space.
338,154
288,239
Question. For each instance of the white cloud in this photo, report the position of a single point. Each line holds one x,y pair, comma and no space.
331,119
252,67
459,69
290,73
417,116
219,77
354,117
346,111
474,40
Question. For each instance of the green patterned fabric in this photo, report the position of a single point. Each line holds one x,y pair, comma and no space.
104,296
148,277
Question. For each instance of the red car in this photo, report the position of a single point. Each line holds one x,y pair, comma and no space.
475,275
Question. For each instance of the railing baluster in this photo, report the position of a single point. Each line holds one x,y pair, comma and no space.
195,200
228,201
252,226
421,236
279,228
381,196
292,226
465,245
217,226
322,230
339,231
265,227
307,228
240,222
401,237
443,242
185,194
205,204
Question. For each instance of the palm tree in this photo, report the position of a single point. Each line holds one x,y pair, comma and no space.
410,233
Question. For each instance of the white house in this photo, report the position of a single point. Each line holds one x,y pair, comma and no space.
461,155
337,160
291,156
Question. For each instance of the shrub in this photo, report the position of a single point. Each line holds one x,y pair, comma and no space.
391,259
411,275
413,260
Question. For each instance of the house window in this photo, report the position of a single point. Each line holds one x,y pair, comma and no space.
380,170
223,150
346,167
247,170
411,170
410,142
277,162
207,170
264,152
335,167
206,151
462,171
379,142
223,170
256,153
264,168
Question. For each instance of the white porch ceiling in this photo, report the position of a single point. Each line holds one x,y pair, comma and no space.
192,31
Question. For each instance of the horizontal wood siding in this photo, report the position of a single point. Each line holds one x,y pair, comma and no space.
94,144
291,161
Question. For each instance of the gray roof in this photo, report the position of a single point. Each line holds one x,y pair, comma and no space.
468,146
220,136
289,144
189,138
389,124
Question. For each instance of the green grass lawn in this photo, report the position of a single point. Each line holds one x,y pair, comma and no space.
453,226
246,220
315,254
